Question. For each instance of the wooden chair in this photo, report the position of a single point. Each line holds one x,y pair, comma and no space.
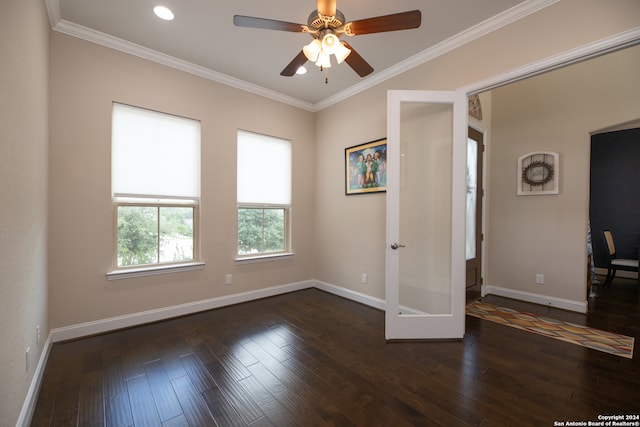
616,263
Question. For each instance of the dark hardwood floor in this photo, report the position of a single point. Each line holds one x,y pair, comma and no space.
309,358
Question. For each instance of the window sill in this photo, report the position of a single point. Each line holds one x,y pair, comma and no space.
155,270
264,258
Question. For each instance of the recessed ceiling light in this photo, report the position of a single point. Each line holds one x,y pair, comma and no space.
301,70
163,13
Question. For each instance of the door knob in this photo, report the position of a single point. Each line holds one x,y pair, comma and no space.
395,246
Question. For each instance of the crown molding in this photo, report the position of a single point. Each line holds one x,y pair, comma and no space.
53,10
498,21
591,50
479,30
81,32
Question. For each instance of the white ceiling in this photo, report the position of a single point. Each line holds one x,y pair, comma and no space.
203,40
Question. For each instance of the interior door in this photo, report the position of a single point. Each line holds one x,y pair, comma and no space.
473,247
426,199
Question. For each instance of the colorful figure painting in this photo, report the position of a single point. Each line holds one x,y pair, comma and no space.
366,167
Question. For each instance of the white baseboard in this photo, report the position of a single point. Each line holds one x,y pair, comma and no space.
571,305
29,405
352,295
135,319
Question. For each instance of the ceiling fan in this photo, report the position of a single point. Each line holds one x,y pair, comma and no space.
326,25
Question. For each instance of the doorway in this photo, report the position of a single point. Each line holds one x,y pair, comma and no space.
475,193
613,197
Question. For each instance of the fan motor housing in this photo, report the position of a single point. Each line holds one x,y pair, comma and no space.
318,21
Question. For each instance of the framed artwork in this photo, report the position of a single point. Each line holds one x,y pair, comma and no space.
538,173
366,167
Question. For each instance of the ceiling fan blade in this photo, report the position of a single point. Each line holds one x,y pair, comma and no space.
381,24
357,62
326,7
293,66
266,24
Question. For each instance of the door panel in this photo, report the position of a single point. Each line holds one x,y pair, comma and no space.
426,215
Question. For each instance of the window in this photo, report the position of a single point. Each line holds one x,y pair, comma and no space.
264,195
156,187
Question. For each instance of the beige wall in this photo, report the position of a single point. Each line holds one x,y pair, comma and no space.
552,112
24,56
85,79
350,231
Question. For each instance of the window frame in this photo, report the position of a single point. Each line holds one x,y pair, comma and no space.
157,202
287,252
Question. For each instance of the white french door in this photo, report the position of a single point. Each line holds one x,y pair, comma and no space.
426,198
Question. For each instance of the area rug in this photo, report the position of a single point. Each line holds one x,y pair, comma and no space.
608,342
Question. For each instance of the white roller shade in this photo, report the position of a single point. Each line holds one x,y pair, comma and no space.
264,169
154,154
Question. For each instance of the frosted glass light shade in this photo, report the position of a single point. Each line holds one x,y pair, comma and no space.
312,50
342,52
330,43
324,60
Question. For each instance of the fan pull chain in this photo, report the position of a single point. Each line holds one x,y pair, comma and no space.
326,74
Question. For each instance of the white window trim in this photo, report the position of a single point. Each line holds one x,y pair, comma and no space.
154,270
185,194
278,256
265,199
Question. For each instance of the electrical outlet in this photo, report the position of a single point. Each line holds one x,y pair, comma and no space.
228,279
38,336
539,279
26,358
365,278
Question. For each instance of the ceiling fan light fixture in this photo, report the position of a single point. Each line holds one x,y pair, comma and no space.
312,50
324,60
326,25
341,52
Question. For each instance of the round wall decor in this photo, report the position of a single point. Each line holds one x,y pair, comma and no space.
538,173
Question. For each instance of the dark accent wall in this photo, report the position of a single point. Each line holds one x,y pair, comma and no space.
615,192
